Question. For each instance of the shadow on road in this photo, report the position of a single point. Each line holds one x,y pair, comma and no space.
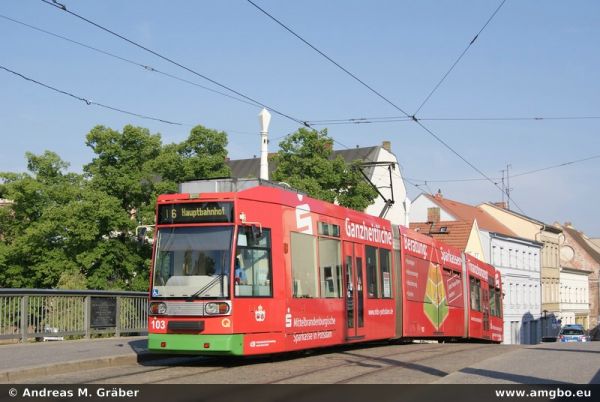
406,365
567,350
499,375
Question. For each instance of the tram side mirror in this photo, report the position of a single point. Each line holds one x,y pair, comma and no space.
141,234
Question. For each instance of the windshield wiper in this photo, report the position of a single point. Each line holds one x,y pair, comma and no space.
209,285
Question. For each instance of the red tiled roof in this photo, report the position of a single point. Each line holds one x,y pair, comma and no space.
456,234
468,213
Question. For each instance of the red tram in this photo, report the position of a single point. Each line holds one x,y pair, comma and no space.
241,267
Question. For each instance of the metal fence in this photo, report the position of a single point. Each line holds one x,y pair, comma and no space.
45,314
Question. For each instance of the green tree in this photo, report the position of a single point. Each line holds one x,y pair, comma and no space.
305,162
119,167
24,229
71,230
201,156
60,228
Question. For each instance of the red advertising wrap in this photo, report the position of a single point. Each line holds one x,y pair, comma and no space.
258,269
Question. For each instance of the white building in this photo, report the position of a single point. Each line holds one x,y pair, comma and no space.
380,166
518,260
574,297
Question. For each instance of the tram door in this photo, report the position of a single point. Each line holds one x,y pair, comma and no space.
353,286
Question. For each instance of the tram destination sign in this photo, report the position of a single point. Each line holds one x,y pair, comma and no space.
195,212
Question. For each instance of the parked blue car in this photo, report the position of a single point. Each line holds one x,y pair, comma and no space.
572,333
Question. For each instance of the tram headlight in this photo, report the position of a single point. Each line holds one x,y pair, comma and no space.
158,308
216,308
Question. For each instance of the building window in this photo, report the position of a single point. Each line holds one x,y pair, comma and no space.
531,296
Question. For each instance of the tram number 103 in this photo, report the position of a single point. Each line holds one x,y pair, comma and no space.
158,324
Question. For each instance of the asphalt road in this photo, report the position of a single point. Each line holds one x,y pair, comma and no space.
551,363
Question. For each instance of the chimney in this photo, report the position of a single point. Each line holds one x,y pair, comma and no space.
439,194
387,145
500,204
433,215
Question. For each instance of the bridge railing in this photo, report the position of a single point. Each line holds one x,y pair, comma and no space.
48,314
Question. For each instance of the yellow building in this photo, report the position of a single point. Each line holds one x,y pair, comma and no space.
550,236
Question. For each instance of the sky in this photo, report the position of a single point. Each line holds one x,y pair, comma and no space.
533,59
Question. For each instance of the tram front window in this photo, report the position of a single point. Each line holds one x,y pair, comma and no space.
192,262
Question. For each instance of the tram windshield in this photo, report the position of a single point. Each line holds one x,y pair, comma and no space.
192,262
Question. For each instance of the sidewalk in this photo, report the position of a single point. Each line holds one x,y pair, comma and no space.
19,361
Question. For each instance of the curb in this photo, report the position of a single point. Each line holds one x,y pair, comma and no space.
9,376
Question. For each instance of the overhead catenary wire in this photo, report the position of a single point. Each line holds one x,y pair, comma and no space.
329,58
87,101
555,166
394,119
62,7
529,172
458,59
412,117
144,66
417,186
289,134
465,160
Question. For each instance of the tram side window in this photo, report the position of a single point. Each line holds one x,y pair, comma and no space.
330,268
304,265
493,310
498,302
252,265
475,293
386,275
372,277
450,273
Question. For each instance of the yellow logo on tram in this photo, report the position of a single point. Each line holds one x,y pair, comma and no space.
436,305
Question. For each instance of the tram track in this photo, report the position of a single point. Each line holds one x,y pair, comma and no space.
351,359
191,364
223,364
228,364
408,364
145,371
351,363
337,365
250,360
